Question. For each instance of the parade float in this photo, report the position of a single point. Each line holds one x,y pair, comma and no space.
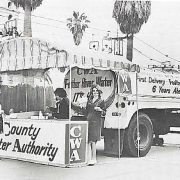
139,103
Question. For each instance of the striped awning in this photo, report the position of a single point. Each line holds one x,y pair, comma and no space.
31,53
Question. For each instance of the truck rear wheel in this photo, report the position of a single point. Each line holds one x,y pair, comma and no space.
145,136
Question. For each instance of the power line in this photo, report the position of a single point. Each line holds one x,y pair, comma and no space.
146,56
89,33
166,55
102,30
150,46
151,59
50,19
47,25
60,21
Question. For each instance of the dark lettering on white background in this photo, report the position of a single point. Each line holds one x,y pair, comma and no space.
74,83
154,89
156,81
86,71
176,91
85,78
86,83
162,86
103,82
22,130
164,90
142,79
4,145
162,82
30,147
174,82
77,95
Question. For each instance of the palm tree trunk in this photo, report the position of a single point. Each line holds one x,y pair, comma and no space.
129,54
27,20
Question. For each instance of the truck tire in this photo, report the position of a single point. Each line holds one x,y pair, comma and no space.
146,136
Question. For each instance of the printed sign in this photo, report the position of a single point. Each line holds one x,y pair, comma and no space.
78,141
43,141
83,79
125,83
154,84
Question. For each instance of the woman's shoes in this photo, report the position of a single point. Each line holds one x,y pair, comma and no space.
92,162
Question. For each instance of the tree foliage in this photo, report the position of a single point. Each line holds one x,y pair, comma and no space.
131,15
28,6
77,25
31,3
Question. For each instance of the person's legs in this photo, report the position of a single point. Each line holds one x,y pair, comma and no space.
93,147
89,152
92,153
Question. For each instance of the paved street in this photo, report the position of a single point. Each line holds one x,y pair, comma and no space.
160,163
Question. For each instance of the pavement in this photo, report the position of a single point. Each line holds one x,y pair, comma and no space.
160,163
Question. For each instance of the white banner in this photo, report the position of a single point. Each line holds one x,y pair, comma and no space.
159,84
43,141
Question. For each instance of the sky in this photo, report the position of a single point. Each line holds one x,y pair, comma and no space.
158,37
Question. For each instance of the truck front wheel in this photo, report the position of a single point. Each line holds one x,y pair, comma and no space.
145,137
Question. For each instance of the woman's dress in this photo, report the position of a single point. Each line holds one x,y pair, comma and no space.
94,119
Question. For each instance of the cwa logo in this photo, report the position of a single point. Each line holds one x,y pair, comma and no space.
77,143
125,83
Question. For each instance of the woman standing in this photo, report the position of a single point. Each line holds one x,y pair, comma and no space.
95,108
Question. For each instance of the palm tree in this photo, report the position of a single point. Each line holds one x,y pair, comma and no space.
131,15
77,24
28,6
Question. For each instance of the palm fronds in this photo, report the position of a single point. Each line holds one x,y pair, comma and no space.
131,15
77,25
32,3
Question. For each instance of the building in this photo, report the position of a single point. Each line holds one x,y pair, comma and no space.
9,16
